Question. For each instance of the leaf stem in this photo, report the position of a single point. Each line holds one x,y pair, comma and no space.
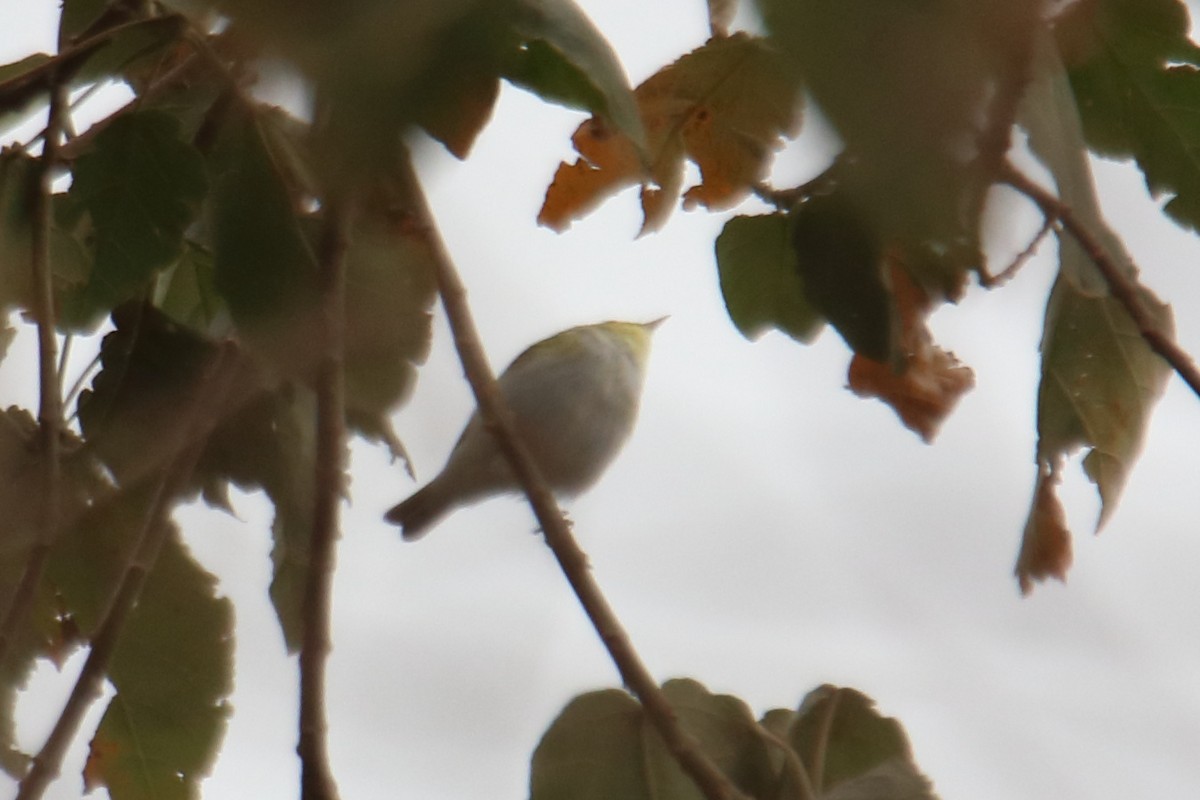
317,782
571,558
1123,287
50,406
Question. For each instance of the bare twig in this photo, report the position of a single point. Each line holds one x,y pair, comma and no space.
50,415
1002,277
785,199
317,781
574,562
1122,286
156,528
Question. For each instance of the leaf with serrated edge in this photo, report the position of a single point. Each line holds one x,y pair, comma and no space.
726,106
172,671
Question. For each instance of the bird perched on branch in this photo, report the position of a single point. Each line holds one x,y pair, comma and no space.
574,398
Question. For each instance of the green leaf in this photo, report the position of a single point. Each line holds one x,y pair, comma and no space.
564,59
43,635
840,257
18,180
21,89
1135,97
264,269
136,409
909,87
602,746
1100,379
173,672
840,736
142,186
173,665
389,291
270,444
187,294
760,279
1100,382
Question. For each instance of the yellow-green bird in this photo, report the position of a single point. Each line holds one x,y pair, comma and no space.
575,399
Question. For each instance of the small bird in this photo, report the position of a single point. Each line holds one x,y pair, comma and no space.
574,397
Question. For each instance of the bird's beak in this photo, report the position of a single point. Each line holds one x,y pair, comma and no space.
653,325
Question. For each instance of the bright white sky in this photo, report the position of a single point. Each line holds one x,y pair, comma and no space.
764,531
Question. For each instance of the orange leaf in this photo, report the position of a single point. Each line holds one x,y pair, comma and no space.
1046,544
928,382
725,106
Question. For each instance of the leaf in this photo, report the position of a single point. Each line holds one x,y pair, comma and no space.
760,279
264,268
142,186
270,444
390,289
173,672
45,634
1046,543
842,738
187,293
839,254
909,88
924,382
69,260
1100,380
20,89
563,58
133,415
725,106
601,746
1135,98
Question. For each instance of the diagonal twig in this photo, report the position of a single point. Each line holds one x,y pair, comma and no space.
156,528
571,558
1123,287
316,781
50,404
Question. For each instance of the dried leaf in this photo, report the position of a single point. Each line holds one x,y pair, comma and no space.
1046,544
928,382
725,106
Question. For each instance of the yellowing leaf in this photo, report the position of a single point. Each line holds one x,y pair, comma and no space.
725,106
924,388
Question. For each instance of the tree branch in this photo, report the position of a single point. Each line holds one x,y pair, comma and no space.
317,781
89,686
50,405
498,419
1123,287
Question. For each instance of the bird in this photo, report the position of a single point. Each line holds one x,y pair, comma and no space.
574,398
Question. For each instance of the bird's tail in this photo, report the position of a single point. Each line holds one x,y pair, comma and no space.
419,512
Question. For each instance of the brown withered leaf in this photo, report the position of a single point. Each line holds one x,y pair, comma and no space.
928,382
1046,543
725,106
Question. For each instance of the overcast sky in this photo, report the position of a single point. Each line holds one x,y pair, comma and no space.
764,531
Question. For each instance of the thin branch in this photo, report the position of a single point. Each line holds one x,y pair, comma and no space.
50,416
989,281
1122,286
156,528
785,199
317,782
573,561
